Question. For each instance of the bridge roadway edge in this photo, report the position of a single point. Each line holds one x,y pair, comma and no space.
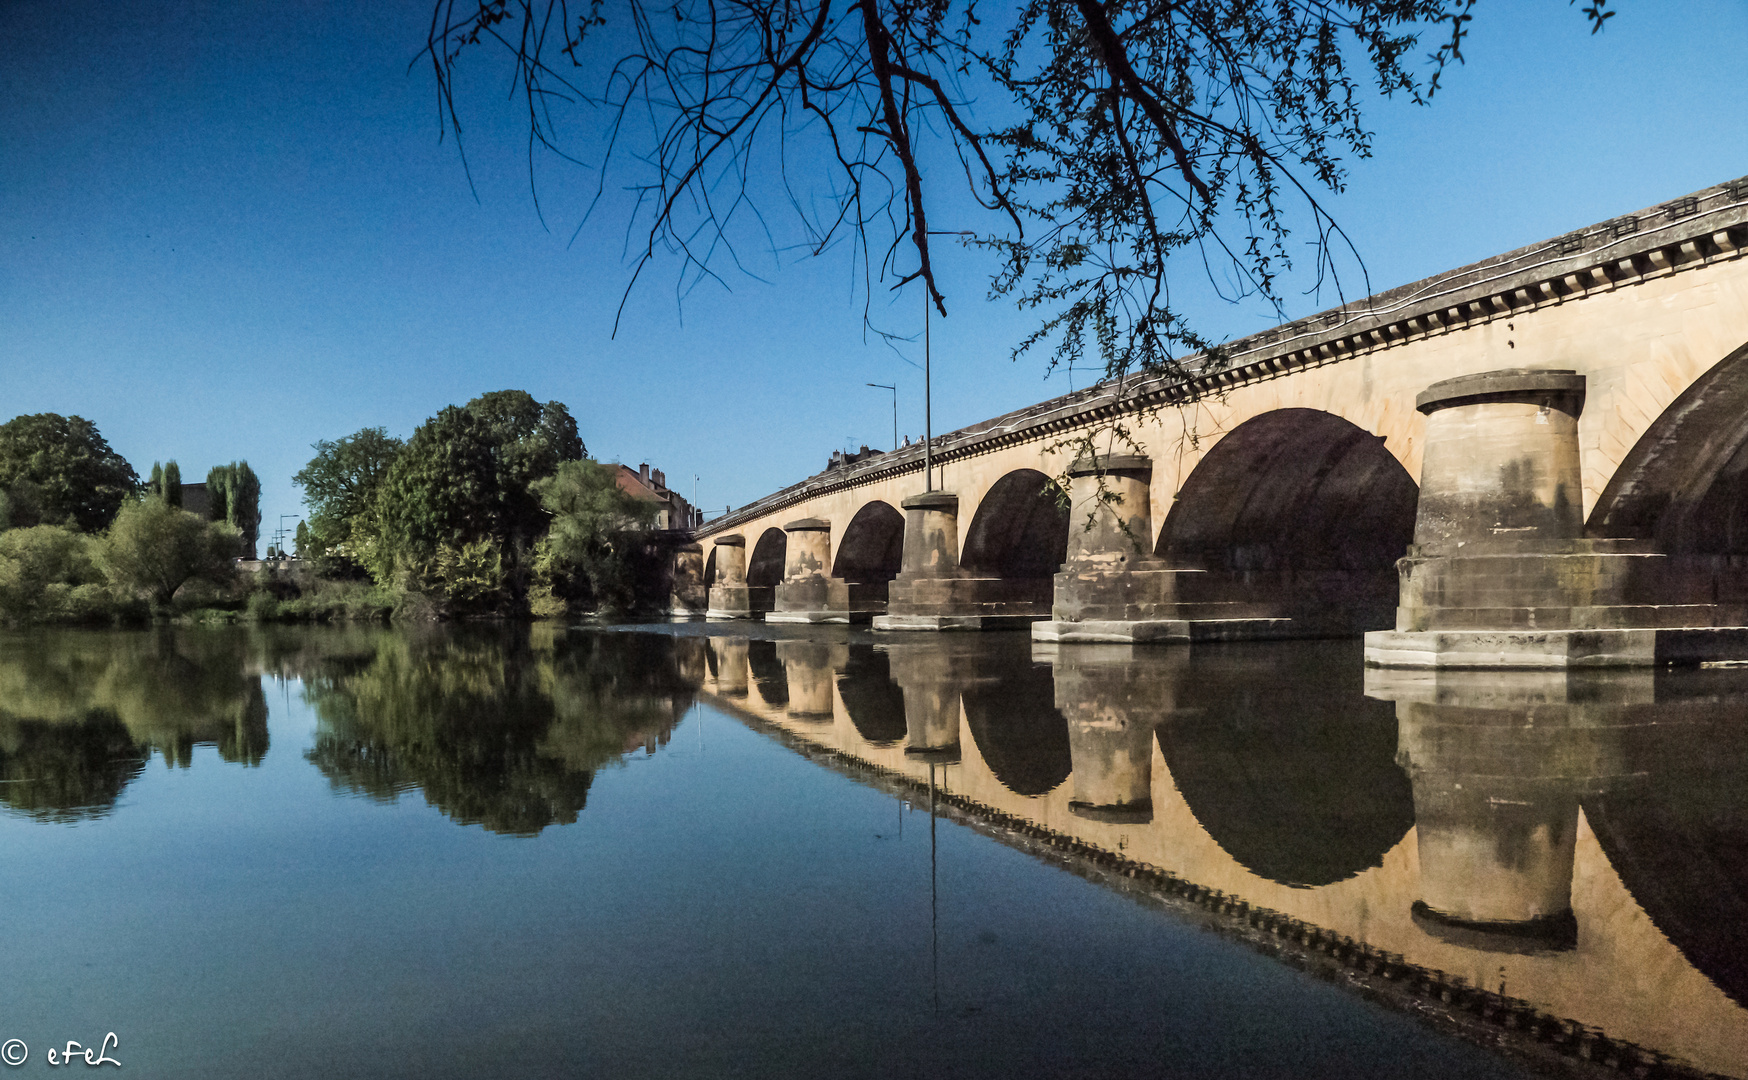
1692,231
1545,1043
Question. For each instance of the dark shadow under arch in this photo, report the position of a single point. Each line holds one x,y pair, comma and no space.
1019,530
710,568
870,556
765,569
1296,512
1684,484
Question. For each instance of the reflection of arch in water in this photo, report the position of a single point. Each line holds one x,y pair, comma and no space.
1293,775
869,556
1019,733
769,676
1679,842
1019,530
875,703
1299,511
765,569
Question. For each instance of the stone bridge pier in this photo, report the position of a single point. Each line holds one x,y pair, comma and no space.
689,596
808,593
1113,588
934,590
728,596
1500,574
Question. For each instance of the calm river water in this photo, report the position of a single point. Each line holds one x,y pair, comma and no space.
705,851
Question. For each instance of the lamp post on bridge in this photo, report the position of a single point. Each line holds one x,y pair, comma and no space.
894,389
928,418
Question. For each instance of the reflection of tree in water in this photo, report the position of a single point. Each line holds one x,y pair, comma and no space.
80,712
500,728
66,771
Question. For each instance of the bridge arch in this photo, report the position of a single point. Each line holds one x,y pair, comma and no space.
870,554
1684,483
1296,512
1018,531
765,569
710,568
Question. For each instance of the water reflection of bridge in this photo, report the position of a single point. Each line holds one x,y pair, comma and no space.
1578,842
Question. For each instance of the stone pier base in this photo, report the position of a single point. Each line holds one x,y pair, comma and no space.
952,622
1686,646
807,617
1163,631
728,602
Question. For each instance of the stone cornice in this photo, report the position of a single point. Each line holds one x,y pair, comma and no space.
1695,230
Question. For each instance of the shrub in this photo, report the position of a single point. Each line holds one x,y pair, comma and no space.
153,549
41,569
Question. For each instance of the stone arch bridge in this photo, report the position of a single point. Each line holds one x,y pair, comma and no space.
1275,492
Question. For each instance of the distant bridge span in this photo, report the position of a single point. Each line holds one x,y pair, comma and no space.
1289,476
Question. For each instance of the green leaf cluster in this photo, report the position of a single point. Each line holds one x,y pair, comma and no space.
153,549
57,470
233,494
50,573
166,483
454,510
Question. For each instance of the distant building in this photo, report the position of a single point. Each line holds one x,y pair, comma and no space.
649,485
195,501
839,458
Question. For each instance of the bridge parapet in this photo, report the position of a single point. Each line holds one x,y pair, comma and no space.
1682,234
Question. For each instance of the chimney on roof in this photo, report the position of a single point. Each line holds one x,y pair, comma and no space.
660,480
643,473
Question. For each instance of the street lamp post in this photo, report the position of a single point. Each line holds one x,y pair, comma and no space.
281,537
928,389
894,389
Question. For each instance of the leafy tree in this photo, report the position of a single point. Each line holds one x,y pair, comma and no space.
340,486
1107,137
466,477
530,439
470,576
441,489
233,495
341,481
41,568
57,470
590,514
153,549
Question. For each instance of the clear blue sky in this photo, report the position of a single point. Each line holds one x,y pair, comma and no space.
229,229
